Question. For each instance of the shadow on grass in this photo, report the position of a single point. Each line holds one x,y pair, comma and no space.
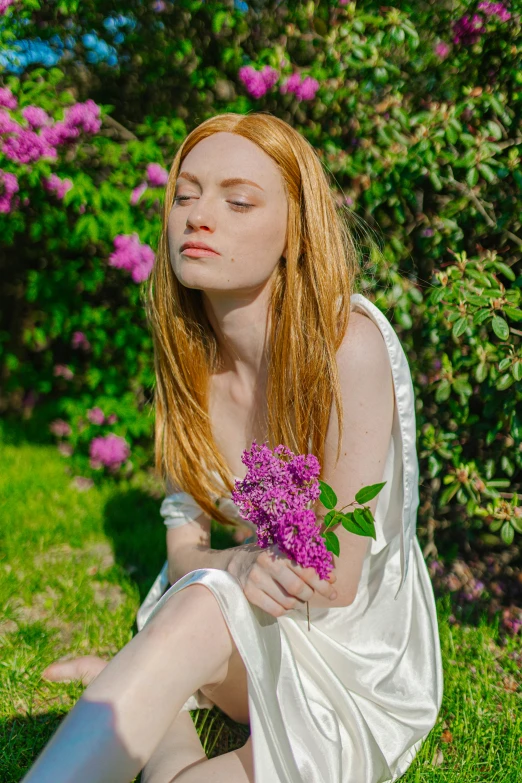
34,429
21,740
26,737
133,523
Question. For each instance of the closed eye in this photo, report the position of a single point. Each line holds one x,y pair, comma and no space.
241,206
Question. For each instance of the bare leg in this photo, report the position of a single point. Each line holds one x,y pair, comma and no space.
122,716
179,749
234,767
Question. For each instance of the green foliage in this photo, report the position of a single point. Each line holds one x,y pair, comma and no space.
470,359
427,148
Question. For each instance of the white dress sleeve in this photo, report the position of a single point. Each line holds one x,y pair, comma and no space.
178,509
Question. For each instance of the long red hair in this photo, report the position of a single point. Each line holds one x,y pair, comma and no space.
310,305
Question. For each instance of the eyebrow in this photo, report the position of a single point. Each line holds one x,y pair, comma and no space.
226,183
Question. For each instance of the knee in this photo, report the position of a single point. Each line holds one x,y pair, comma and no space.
193,611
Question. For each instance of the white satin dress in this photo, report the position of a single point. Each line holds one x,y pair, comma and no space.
351,700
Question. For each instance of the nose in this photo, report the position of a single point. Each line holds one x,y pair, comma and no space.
200,216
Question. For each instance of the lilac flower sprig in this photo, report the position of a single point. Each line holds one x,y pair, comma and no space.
275,495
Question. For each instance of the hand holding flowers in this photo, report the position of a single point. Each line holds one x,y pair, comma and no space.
275,495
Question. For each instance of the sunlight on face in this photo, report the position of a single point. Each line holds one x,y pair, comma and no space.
246,225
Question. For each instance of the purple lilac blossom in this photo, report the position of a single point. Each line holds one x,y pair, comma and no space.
258,83
304,90
298,536
7,124
8,187
494,9
137,193
442,49
79,340
130,254
7,98
468,30
27,147
61,370
157,175
60,428
36,117
274,495
85,116
109,451
58,186
4,5
96,415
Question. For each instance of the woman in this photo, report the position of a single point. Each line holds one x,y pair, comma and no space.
257,334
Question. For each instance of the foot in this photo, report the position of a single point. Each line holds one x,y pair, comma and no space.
84,669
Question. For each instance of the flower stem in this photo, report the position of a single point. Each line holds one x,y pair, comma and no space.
308,614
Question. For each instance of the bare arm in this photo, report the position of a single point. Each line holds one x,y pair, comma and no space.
272,583
188,548
368,401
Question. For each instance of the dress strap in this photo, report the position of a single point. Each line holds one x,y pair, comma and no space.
405,398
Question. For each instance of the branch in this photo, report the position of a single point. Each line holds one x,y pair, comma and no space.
474,198
121,131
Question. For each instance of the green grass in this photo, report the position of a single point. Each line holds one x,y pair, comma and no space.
74,567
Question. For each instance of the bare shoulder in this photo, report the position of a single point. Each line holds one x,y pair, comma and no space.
363,349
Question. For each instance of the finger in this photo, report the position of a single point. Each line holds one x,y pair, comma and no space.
294,585
259,598
270,585
310,576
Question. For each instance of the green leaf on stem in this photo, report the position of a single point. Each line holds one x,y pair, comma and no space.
327,497
507,533
362,520
367,493
332,518
351,525
332,543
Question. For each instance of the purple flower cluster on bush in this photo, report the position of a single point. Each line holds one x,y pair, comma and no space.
97,416
108,451
58,186
274,494
8,187
79,340
4,5
258,83
304,89
25,145
157,177
468,29
39,139
132,255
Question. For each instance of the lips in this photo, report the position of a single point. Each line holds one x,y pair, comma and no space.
199,246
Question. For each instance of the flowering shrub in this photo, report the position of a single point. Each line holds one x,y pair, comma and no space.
416,115
133,256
